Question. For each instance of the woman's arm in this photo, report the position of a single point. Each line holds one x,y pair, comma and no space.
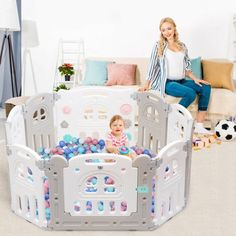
188,69
152,68
190,74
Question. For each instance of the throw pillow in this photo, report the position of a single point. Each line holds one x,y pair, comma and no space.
121,74
218,73
196,67
95,72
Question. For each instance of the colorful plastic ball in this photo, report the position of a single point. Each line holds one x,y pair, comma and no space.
81,150
62,143
41,150
67,138
147,152
88,151
67,151
80,140
71,155
139,151
101,142
54,150
95,141
46,196
93,148
60,151
47,150
47,213
74,140
47,204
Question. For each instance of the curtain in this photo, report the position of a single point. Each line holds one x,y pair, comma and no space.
5,76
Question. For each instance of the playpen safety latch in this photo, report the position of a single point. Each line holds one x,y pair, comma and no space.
56,96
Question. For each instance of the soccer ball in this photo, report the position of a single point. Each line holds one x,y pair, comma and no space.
225,130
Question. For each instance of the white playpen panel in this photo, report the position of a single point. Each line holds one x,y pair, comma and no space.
15,127
170,182
38,115
87,111
181,122
115,167
26,181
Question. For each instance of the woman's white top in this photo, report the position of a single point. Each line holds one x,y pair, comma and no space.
175,68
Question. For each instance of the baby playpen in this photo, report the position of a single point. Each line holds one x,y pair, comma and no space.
143,193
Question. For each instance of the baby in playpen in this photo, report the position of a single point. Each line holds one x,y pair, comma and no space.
117,141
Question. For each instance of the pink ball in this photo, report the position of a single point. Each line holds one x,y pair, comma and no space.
139,151
47,204
88,151
95,141
54,150
88,140
60,151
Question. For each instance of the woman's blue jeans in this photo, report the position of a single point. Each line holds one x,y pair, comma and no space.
188,90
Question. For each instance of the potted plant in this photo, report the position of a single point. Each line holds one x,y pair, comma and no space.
67,70
61,86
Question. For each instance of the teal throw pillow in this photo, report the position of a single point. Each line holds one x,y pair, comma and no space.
196,67
96,72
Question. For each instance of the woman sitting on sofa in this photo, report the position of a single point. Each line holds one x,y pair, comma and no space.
168,66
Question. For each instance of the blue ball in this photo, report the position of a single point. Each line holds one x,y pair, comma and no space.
62,143
146,151
101,142
46,196
81,150
67,151
74,140
93,148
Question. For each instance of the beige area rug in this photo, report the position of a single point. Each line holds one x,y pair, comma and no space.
211,209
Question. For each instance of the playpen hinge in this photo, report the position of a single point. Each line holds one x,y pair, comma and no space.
43,164
158,162
56,97
8,149
187,145
134,96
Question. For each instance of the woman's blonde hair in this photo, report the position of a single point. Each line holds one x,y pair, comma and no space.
114,118
162,40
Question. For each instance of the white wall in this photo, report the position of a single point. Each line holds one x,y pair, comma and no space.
125,28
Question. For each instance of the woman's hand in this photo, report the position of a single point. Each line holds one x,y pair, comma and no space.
143,89
200,82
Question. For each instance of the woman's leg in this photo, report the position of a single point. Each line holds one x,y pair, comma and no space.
204,92
177,89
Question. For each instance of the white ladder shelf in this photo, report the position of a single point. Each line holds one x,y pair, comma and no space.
72,52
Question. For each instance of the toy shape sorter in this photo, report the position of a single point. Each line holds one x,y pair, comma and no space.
99,191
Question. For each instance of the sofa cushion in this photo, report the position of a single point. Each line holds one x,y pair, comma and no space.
196,67
121,74
96,72
218,73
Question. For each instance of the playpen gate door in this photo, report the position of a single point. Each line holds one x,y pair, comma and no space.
170,181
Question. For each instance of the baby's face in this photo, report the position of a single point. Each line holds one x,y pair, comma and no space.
117,127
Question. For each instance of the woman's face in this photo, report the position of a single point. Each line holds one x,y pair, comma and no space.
167,31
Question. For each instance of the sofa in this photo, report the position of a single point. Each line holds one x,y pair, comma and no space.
218,72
